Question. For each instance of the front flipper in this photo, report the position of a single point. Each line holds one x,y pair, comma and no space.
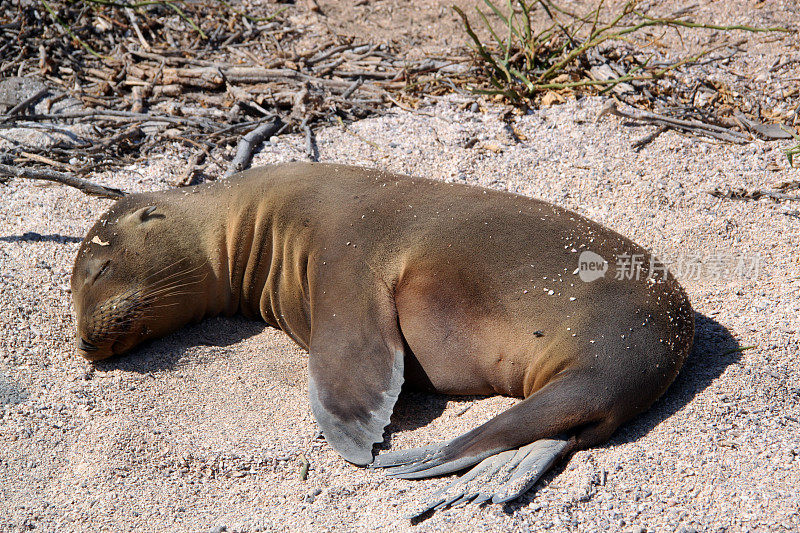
355,368
500,478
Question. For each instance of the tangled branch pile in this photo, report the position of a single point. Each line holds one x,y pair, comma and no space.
201,73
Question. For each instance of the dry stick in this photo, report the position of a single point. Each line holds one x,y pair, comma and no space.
694,126
329,67
64,178
120,116
266,75
132,19
755,194
20,107
324,70
465,409
167,60
791,185
353,87
194,162
405,107
329,53
132,133
781,64
47,161
248,145
647,139
365,74
769,132
253,75
311,146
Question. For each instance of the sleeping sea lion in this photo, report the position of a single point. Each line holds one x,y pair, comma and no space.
472,291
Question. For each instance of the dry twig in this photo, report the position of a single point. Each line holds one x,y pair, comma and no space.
249,143
740,193
61,177
23,105
692,126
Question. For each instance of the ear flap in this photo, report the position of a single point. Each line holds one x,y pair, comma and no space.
143,214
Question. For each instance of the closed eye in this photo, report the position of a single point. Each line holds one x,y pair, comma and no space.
101,270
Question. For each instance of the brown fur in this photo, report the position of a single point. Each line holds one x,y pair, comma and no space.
366,268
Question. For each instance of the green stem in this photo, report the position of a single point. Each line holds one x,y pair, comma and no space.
481,50
674,22
793,151
738,350
189,21
69,31
125,5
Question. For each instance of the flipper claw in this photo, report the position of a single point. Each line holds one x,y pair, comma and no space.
436,466
404,457
426,461
500,477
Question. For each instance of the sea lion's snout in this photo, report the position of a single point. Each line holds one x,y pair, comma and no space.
111,327
117,313
86,346
90,351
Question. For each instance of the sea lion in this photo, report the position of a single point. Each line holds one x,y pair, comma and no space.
387,279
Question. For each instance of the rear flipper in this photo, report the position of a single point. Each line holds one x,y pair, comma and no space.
499,478
516,447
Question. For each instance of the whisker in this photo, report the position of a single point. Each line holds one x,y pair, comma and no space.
148,276
161,290
159,306
166,291
143,293
185,280
185,272
176,277
147,303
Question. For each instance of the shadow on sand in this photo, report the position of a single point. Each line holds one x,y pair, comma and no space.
414,410
166,353
32,236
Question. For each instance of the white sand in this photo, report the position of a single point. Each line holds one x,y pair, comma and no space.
205,429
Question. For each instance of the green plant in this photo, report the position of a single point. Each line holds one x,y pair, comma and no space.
521,63
793,151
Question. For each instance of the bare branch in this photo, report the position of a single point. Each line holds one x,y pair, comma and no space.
249,143
693,126
65,179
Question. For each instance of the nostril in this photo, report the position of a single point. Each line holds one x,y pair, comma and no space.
86,346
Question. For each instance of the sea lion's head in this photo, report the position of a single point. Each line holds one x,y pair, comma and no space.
138,275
